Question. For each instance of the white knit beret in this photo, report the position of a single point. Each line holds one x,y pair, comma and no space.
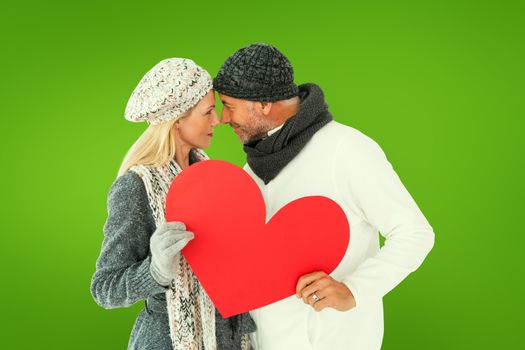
168,90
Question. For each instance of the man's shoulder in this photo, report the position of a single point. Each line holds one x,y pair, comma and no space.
344,135
350,145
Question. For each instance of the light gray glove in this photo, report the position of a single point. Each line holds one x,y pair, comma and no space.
165,244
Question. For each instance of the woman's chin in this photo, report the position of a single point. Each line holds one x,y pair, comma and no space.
204,145
203,142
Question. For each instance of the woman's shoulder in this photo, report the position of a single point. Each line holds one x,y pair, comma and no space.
128,187
130,179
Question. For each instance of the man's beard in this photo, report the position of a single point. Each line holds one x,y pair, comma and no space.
255,129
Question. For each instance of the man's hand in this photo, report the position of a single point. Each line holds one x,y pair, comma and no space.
329,292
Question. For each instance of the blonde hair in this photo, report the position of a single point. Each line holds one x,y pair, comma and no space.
155,147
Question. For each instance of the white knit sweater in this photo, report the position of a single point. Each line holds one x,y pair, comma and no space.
341,163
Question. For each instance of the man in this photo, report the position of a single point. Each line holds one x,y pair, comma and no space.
294,149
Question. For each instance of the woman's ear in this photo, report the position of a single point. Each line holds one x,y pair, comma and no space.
176,126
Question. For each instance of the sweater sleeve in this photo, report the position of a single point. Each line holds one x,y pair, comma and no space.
122,275
374,191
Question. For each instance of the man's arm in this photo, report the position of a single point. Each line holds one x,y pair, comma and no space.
377,194
373,190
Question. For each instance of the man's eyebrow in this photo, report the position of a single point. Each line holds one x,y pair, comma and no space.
225,103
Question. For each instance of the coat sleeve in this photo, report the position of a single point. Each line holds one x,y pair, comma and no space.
122,275
375,192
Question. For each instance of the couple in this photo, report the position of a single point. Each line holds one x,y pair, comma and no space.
294,149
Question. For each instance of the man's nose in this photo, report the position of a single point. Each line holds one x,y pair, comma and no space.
225,118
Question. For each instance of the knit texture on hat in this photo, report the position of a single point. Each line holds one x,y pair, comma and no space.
258,72
168,90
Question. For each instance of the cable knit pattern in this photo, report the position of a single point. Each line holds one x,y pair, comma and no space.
190,310
169,89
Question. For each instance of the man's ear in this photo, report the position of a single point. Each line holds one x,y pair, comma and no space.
266,107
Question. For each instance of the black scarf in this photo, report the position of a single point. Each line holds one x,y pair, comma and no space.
268,156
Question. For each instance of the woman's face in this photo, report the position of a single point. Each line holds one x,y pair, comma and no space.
196,130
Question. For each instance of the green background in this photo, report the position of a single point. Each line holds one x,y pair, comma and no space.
439,85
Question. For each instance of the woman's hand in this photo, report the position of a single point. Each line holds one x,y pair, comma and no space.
165,244
320,291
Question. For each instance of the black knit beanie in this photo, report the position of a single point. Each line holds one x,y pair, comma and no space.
257,72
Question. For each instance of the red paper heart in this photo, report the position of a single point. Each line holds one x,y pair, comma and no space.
241,262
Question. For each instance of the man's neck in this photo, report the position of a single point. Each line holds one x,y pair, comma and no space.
281,113
285,112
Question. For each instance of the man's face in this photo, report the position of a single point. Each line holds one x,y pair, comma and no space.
243,117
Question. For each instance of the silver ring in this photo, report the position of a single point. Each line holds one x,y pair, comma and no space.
315,297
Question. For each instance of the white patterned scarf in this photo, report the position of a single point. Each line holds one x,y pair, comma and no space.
191,312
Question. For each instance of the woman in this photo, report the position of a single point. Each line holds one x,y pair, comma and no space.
140,257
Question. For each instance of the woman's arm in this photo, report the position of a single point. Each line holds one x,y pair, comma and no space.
122,275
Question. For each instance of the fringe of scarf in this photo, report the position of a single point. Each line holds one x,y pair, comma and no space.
191,312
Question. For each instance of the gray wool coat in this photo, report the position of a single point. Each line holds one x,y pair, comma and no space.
122,275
